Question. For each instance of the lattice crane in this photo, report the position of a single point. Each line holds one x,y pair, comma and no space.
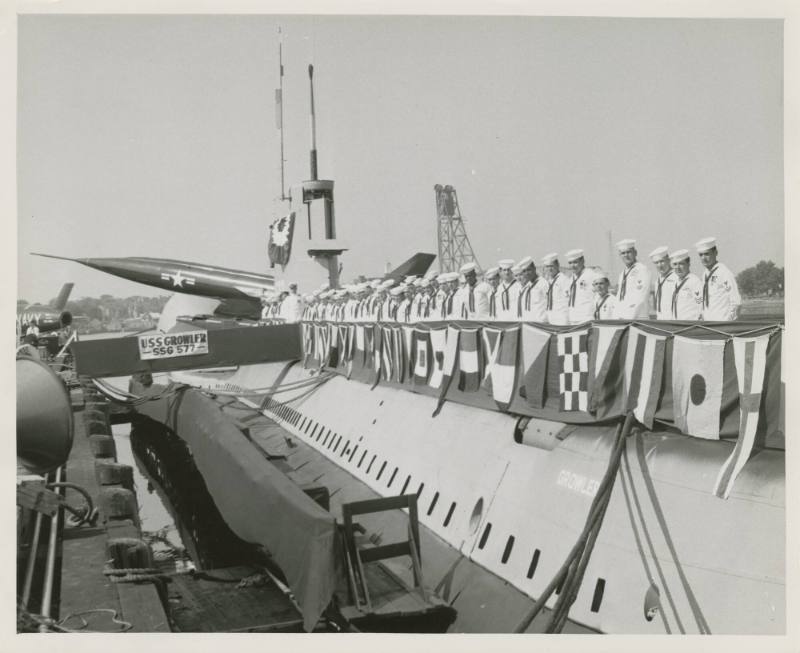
454,246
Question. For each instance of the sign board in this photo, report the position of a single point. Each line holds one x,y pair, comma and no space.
172,345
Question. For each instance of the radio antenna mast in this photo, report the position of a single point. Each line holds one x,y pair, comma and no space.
279,111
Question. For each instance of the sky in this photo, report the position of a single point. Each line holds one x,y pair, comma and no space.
156,136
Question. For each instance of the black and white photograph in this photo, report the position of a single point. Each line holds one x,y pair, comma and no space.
364,321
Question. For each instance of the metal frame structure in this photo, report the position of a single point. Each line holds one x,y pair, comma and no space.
454,245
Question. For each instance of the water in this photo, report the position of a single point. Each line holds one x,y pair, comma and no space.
157,524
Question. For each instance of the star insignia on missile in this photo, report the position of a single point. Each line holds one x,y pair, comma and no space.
177,279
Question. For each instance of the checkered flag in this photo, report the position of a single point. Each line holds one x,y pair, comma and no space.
573,378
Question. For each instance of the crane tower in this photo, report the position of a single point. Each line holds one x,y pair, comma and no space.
454,246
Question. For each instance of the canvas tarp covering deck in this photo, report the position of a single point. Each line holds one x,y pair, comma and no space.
259,503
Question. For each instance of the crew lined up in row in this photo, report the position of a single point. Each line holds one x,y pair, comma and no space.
516,291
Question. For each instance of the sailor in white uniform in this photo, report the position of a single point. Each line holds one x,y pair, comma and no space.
581,295
507,292
491,279
532,302
474,297
404,307
557,291
721,298
421,308
605,304
687,292
663,283
633,291
292,305
449,285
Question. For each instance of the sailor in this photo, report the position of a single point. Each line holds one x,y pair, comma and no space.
416,299
450,286
663,283
605,304
507,292
633,293
385,309
491,279
721,298
421,308
687,291
350,301
558,286
532,301
265,306
292,305
581,295
474,300
407,299
395,297
442,290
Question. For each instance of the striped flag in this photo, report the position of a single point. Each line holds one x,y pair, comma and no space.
750,356
438,338
469,379
370,359
535,352
398,358
604,357
333,345
422,356
448,365
308,343
386,353
697,385
408,345
573,377
501,369
644,372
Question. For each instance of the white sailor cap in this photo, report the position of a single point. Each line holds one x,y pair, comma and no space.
549,259
506,264
626,244
387,283
524,263
424,283
418,282
659,253
573,255
451,276
375,284
679,255
432,273
397,290
599,275
705,244
491,273
468,267
444,277
410,278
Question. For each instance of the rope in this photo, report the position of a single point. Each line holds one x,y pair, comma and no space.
83,515
268,390
570,574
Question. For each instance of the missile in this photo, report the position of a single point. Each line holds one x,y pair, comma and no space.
181,276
